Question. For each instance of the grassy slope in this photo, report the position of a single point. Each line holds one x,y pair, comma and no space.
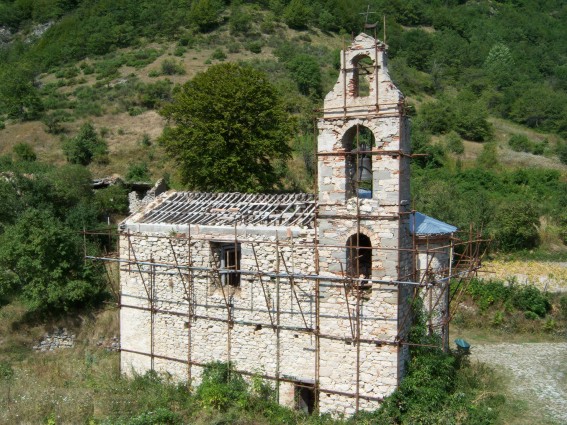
125,131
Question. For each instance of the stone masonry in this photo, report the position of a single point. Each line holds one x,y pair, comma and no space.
267,282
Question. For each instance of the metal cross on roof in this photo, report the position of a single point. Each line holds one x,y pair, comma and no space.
366,24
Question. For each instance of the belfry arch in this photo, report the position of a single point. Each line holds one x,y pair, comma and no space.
358,142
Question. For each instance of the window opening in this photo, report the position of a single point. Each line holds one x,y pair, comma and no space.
229,270
363,69
359,256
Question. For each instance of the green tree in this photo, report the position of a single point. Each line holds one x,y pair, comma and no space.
138,172
42,260
297,14
454,143
499,65
307,74
488,157
85,146
515,225
19,98
206,14
229,126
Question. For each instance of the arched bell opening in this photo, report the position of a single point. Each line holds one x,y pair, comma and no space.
363,69
358,142
359,256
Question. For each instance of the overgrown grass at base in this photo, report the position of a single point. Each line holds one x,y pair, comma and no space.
84,385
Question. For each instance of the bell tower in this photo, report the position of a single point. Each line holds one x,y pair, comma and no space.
363,212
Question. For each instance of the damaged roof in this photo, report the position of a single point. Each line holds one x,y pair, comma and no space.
228,209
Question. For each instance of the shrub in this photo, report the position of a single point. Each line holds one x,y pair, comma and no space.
53,122
221,387
45,259
218,54
562,152
254,46
563,306
138,172
531,300
454,143
240,21
206,13
172,67
520,143
159,416
24,152
297,14
515,224
113,199
85,147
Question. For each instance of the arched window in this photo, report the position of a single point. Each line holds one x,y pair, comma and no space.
358,142
363,68
359,256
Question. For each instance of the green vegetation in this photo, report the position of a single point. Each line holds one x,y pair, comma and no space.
41,251
83,384
85,147
229,129
512,308
509,203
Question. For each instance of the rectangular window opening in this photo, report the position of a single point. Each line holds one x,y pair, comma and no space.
229,270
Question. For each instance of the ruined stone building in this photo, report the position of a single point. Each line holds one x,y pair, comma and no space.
311,292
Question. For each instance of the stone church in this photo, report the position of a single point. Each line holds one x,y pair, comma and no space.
310,292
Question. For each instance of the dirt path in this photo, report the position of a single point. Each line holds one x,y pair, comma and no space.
538,373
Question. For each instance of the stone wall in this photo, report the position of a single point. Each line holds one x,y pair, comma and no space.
289,348
320,327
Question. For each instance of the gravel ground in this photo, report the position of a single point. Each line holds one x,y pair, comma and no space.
537,371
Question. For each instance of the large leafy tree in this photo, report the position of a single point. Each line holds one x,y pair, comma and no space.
227,130
42,261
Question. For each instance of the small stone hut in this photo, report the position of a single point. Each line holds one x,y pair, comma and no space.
310,292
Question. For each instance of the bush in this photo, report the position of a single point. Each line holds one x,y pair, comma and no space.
138,172
562,152
45,261
159,416
515,225
563,306
206,14
520,143
24,152
221,387
218,55
172,67
454,143
531,300
254,46
85,147
113,199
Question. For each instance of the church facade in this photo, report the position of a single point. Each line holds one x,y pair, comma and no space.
310,292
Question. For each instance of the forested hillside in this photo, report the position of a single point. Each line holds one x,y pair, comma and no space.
486,83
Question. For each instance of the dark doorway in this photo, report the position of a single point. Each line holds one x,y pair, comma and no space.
305,397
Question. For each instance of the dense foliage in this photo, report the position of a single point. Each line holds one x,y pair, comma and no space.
41,251
229,127
490,53
508,204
